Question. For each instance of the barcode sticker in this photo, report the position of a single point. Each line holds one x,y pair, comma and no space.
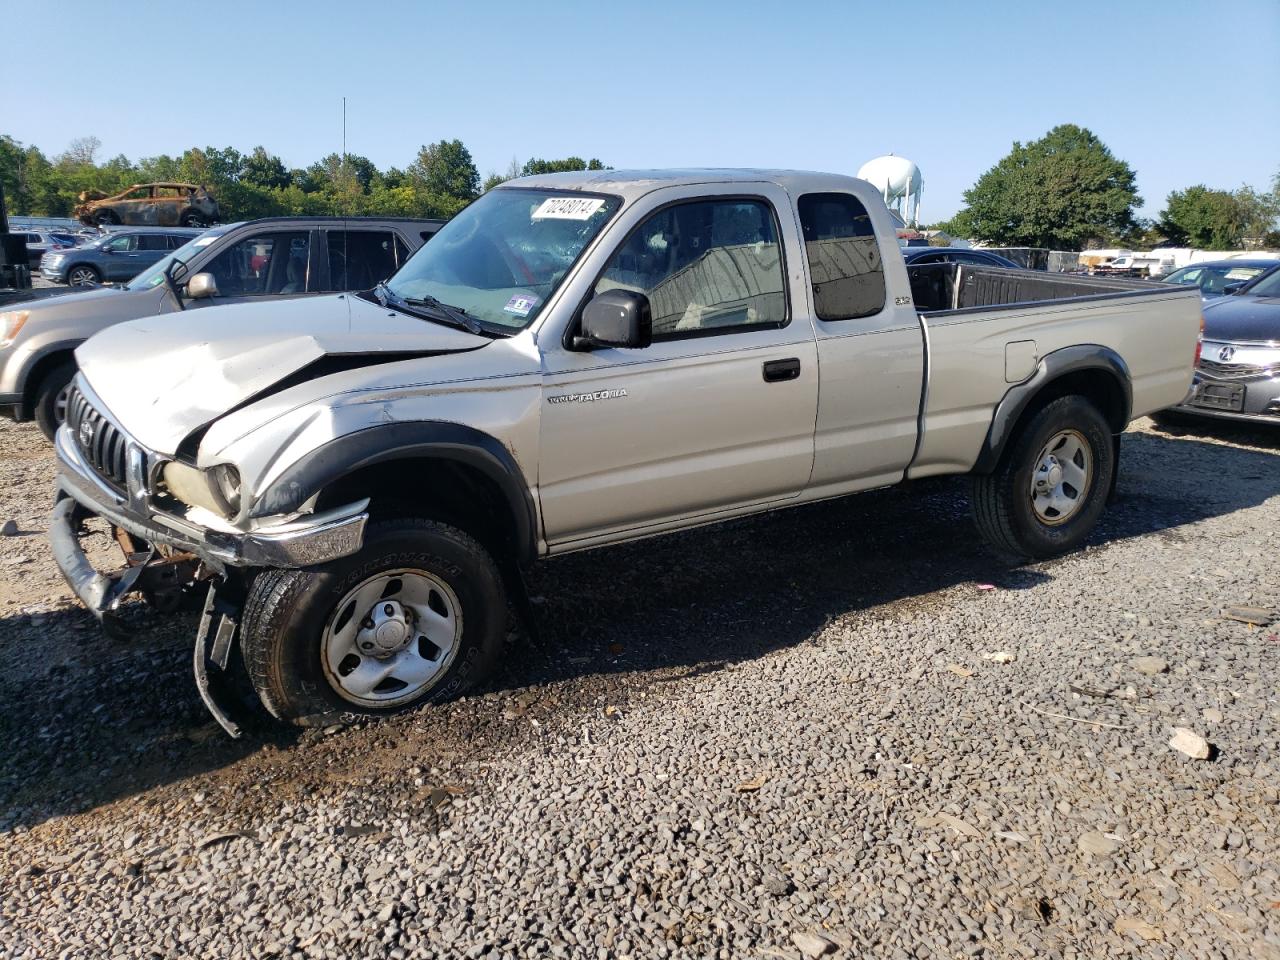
567,208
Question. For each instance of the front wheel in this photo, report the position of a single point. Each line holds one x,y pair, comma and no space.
418,615
51,398
1051,485
83,275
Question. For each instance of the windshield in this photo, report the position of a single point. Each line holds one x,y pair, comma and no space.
503,257
153,276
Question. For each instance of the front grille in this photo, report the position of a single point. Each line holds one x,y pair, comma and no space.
1234,371
97,438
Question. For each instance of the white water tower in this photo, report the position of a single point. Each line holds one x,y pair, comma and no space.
899,182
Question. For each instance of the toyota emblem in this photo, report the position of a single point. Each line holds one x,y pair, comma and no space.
1226,353
86,433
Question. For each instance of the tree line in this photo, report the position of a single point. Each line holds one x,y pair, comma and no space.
440,180
1067,191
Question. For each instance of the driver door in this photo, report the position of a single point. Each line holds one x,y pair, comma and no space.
717,414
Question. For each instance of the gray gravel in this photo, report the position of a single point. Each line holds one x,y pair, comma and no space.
844,730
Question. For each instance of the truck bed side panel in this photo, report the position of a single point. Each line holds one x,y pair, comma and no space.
1154,334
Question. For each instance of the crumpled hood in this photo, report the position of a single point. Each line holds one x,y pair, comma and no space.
163,377
1242,318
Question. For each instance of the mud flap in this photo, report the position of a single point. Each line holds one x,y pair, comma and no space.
214,640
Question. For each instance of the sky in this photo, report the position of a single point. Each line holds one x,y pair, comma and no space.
1184,92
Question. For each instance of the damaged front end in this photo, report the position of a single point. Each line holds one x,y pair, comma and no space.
104,473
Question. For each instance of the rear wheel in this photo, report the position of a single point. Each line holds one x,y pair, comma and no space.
418,615
51,398
83,275
1051,484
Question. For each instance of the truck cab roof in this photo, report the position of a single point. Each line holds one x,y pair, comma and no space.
633,184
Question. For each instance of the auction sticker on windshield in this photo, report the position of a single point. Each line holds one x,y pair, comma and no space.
521,305
567,208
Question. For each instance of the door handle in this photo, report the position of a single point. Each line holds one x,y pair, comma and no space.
776,371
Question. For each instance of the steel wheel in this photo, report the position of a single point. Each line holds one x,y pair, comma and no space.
1062,477
82,277
391,638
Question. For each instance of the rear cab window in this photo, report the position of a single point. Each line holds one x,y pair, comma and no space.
845,265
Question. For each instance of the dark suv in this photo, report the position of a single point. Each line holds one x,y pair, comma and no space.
232,263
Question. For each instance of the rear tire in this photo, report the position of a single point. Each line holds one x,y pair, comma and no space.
311,637
1052,482
51,398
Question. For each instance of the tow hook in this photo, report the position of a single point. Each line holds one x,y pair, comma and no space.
215,639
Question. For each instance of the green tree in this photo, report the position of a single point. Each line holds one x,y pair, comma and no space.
566,165
446,175
1201,217
265,169
1060,191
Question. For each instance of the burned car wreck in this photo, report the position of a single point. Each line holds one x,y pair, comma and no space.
149,205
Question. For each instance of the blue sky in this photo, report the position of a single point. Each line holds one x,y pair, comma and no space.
1184,92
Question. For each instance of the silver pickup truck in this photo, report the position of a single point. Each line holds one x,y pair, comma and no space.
578,360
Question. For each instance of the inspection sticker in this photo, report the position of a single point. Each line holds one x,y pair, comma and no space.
520,305
567,208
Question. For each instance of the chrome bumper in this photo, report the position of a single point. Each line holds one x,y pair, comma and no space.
301,543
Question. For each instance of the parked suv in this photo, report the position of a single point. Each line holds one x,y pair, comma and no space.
114,257
248,262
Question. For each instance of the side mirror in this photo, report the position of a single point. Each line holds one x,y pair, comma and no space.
202,286
616,318
1231,288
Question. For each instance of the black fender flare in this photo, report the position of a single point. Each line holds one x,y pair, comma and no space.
1052,366
401,441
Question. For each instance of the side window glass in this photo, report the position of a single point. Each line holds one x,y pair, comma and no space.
844,258
122,244
708,265
265,265
402,252
360,259
153,241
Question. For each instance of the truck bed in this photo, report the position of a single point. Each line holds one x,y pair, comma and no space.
946,287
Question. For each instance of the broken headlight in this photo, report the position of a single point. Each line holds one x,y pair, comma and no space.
216,489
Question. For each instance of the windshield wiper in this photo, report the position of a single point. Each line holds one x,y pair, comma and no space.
443,312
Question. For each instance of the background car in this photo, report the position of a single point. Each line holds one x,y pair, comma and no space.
115,257
40,242
150,204
1214,277
919,255
277,257
1238,376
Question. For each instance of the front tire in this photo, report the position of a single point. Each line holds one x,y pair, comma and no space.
83,275
418,615
51,398
1051,485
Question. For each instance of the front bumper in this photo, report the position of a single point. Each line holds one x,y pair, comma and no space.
1252,401
80,493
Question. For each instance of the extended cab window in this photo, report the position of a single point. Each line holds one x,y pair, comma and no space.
359,259
706,266
844,258
265,265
